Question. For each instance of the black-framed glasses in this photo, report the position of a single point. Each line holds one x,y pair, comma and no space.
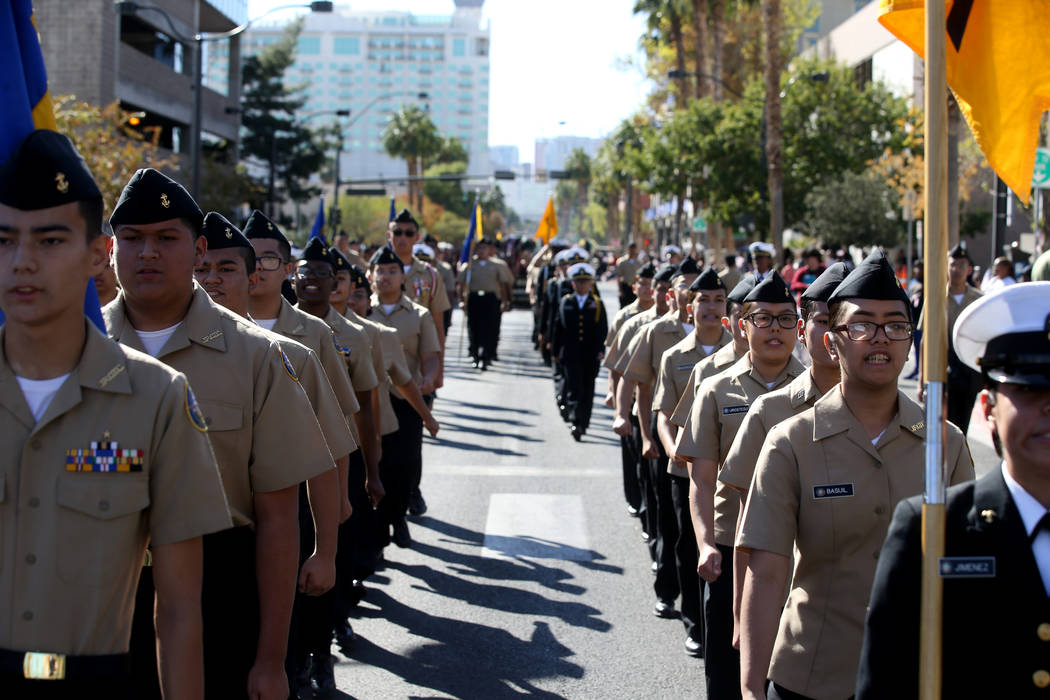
866,330
270,263
307,273
403,232
760,319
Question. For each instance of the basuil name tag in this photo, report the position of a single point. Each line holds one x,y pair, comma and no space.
966,567
833,491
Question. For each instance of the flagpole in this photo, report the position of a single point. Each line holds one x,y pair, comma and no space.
935,349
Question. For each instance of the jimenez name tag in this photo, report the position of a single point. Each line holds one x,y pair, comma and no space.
833,491
966,567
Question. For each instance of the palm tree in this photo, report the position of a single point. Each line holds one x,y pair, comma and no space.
411,136
702,46
672,11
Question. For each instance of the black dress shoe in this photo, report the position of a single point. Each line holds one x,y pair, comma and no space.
416,504
654,567
474,364
302,675
645,536
344,635
576,434
323,675
632,511
401,536
665,610
357,593
694,648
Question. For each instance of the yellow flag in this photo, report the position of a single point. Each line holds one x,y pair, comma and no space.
548,227
477,215
998,66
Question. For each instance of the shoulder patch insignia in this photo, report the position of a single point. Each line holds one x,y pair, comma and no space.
345,351
288,365
193,411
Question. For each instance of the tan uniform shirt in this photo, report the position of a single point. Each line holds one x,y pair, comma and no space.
415,328
649,346
249,396
954,308
626,332
730,277
632,335
480,276
72,540
676,367
352,344
389,361
424,286
506,276
720,406
356,259
618,320
627,270
448,276
716,362
821,489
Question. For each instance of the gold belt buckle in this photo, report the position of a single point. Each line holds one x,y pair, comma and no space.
40,666
481,292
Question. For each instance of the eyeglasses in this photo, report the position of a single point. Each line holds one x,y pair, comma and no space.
763,320
270,263
402,232
866,330
307,273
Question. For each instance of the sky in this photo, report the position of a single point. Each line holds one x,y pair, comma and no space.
551,61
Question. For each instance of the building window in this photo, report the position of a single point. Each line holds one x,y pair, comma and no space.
459,47
349,45
862,73
310,45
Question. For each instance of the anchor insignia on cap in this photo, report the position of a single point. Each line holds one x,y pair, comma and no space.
164,201
989,515
229,233
61,184
269,227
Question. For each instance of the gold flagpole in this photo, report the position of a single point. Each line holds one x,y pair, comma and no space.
935,348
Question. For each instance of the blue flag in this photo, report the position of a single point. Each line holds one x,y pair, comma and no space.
393,210
474,233
318,230
27,103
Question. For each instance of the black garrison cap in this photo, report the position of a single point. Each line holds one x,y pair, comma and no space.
872,279
742,289
647,270
151,196
338,260
358,278
771,290
384,256
828,281
259,225
315,250
665,273
46,171
959,252
220,233
405,217
686,267
707,281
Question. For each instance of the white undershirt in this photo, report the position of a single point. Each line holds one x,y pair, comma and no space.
688,328
878,437
39,392
267,323
408,268
1031,512
708,349
958,298
581,299
388,308
153,341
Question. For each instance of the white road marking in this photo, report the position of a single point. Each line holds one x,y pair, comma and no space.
538,525
511,470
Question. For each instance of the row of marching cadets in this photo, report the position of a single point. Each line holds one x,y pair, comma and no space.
200,489
759,480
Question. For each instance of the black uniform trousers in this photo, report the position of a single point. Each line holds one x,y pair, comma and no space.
310,631
400,466
721,660
629,456
578,394
646,489
963,386
482,316
229,612
666,584
355,559
687,558
110,687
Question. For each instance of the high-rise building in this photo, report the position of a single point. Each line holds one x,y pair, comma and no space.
372,63
552,153
503,157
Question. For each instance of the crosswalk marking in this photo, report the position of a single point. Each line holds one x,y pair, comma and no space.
538,525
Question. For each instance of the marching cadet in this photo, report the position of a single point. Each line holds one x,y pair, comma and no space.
323,501
402,462
105,451
506,285
546,266
251,401
777,406
825,485
423,284
761,259
996,570
643,292
626,271
557,287
770,322
479,284
577,344
640,372
730,274
705,306
448,275
963,383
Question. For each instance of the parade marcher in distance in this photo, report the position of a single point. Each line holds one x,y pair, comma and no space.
996,570
105,451
824,488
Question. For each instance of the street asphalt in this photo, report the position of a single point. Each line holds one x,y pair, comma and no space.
526,577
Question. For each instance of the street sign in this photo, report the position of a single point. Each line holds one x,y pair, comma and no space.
699,224
1041,176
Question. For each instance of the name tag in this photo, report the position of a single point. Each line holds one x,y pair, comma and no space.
833,491
966,567
687,365
730,410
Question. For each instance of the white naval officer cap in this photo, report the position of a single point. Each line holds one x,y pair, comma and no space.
576,254
672,249
423,252
762,248
581,271
1006,335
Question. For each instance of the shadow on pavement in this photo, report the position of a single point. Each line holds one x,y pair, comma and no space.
442,441
489,407
473,430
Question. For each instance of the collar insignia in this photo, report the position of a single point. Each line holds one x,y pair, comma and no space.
110,375
918,426
211,336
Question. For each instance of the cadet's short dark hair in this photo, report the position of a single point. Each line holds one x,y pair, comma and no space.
91,211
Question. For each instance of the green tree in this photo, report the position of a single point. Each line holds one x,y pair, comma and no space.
578,172
451,150
448,193
365,218
270,131
412,136
855,208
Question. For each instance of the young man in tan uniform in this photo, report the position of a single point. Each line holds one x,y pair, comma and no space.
323,501
423,283
770,321
705,307
105,451
251,401
777,406
626,271
824,488
479,283
402,464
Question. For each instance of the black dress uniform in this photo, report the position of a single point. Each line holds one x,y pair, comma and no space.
996,571
578,340
557,288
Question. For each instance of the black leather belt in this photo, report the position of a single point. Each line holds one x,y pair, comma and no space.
45,666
